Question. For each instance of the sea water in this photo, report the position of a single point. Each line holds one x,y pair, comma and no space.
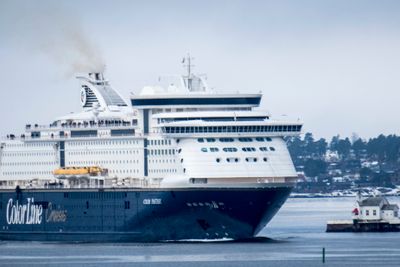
296,237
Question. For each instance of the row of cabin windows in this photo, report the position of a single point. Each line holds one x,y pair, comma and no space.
36,163
41,144
29,173
124,171
107,142
229,140
155,152
92,162
233,149
236,160
232,129
162,161
162,171
159,142
28,154
104,152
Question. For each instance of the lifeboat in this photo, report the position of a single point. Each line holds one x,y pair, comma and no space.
66,172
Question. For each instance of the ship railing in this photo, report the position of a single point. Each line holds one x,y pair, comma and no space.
82,184
278,130
229,134
79,125
66,136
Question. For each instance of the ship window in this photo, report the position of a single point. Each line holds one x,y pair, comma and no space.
200,140
230,149
263,149
248,149
214,149
210,140
198,180
265,159
218,160
245,139
260,139
268,139
204,149
251,159
367,212
271,148
374,212
232,160
226,140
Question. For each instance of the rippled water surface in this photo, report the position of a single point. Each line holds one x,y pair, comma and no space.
296,237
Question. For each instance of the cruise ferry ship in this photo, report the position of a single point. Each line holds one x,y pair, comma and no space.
176,162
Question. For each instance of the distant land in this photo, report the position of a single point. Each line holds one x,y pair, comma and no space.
341,166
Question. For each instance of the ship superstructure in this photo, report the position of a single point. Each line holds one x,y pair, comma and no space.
181,153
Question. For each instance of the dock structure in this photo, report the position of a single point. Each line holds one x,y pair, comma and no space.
362,226
373,214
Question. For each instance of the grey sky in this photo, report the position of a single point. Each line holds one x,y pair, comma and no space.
334,64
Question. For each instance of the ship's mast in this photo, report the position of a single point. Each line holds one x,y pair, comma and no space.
188,66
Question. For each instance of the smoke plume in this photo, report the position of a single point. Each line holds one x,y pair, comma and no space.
57,33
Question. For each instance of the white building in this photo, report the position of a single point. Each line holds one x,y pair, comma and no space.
375,209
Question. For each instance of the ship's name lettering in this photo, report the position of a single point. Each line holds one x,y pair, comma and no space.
53,215
28,213
152,201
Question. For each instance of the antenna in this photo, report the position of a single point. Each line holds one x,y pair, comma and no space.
189,66
188,60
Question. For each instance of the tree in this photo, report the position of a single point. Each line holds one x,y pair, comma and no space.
314,167
321,147
343,147
359,145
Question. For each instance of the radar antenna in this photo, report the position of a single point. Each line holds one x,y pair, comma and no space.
188,60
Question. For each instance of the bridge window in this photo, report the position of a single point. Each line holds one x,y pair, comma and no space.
214,149
264,149
271,148
248,149
210,140
204,149
226,140
200,140
268,139
245,139
260,139
230,149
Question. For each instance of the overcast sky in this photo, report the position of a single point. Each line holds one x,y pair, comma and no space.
334,64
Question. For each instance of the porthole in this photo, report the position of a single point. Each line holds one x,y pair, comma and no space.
218,160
